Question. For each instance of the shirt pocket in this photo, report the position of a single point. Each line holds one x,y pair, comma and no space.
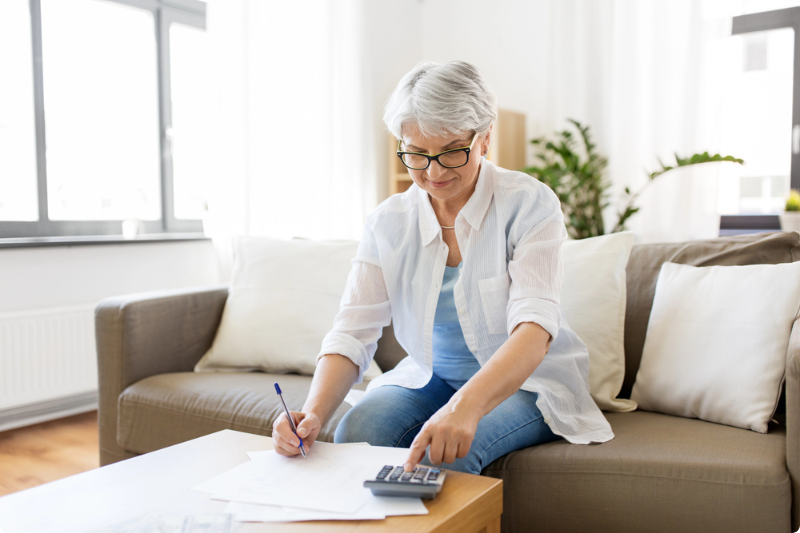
494,299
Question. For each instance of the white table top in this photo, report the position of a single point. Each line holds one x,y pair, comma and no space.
155,482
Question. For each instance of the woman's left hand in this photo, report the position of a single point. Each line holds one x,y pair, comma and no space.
449,433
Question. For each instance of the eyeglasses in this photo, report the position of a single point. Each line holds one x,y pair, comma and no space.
457,157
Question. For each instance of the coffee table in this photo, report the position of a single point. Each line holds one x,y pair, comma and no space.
160,481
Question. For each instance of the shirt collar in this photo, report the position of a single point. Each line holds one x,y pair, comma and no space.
473,211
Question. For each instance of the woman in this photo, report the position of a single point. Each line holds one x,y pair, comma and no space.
468,265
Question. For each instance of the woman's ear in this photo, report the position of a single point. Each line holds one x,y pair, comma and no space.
485,141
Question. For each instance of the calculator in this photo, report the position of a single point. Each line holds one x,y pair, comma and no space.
423,482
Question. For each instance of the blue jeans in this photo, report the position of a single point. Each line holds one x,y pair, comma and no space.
393,415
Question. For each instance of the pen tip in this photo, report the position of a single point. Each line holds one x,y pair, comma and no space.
277,388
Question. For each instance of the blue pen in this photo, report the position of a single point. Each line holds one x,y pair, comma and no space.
291,420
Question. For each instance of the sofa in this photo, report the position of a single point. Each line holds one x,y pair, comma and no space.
659,473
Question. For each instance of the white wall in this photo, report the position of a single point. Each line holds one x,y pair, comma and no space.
545,58
34,278
508,40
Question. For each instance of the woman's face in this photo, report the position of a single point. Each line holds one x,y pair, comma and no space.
440,182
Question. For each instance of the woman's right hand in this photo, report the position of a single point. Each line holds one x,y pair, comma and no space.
286,442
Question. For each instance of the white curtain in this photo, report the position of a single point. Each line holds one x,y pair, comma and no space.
646,76
301,125
296,146
296,149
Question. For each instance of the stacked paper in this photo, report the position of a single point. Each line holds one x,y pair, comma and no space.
328,485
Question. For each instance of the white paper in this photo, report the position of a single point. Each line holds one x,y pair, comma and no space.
261,453
377,508
396,506
330,479
248,512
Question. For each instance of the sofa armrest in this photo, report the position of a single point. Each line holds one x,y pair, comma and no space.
793,420
145,334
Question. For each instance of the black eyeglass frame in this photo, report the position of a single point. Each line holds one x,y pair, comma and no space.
435,157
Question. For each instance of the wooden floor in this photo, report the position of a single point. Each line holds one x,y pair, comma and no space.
49,451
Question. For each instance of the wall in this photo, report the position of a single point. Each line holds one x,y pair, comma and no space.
509,41
33,278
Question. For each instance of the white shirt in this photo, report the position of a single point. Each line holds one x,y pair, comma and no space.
509,233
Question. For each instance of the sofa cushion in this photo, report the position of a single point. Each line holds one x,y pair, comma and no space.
645,263
717,341
691,474
596,311
167,409
282,300
389,351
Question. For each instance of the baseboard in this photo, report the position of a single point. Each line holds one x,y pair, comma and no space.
27,415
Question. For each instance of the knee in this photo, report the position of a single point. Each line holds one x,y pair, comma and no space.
360,425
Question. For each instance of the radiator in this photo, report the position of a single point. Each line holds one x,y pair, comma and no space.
48,364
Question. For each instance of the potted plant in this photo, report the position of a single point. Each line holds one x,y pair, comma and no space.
790,218
576,173
571,166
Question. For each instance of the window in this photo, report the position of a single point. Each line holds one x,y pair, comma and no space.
106,116
762,123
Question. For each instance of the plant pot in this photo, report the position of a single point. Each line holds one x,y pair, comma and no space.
790,220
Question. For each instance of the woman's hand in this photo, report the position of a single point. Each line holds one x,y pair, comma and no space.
449,433
286,442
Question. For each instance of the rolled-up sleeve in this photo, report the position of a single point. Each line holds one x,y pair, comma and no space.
364,309
536,267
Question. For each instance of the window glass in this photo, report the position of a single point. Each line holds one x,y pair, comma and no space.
756,120
18,189
101,111
192,119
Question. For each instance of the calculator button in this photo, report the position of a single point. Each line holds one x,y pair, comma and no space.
406,477
396,473
419,475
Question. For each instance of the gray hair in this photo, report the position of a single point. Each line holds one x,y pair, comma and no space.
441,99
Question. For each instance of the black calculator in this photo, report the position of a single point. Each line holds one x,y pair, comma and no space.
423,482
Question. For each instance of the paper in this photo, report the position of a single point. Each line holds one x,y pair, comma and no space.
317,483
330,479
396,506
377,508
261,453
247,512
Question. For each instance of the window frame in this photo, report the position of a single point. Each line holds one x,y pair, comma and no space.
165,13
764,21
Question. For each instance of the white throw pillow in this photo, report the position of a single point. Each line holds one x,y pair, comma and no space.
593,301
717,341
283,297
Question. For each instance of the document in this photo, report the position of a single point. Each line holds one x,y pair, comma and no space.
247,512
377,508
271,487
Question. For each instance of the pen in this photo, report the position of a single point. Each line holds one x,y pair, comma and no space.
291,420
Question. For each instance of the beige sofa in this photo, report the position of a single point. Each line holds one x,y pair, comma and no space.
660,472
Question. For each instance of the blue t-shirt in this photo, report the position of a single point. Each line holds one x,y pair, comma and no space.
452,360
